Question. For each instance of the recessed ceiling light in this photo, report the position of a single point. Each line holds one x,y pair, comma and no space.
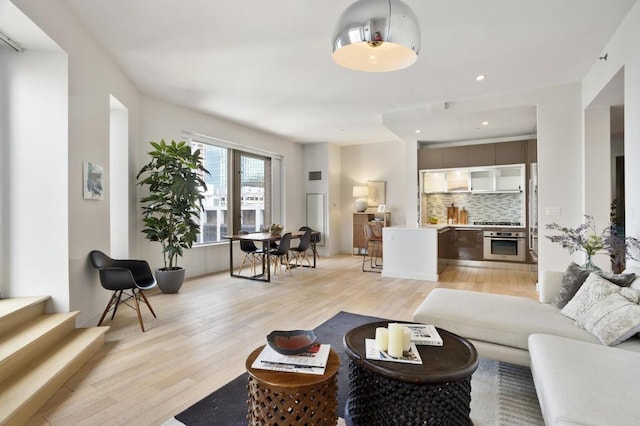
485,123
418,131
480,77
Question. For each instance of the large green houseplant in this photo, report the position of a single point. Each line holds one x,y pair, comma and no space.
171,210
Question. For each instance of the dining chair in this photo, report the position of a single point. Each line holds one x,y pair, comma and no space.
373,245
300,252
280,255
252,254
128,278
315,239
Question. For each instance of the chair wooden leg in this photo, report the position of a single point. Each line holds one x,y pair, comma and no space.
116,304
148,304
136,297
104,314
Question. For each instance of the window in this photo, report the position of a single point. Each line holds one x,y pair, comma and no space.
238,195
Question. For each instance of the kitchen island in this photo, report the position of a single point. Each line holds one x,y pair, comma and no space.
411,252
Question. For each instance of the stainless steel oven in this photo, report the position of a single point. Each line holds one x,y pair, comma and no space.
505,245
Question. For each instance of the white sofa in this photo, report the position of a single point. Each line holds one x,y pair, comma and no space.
578,380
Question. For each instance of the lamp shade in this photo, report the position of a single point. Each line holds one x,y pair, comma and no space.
376,36
360,191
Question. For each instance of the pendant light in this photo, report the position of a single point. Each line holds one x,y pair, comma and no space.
376,36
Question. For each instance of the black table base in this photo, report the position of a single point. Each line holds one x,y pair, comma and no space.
375,400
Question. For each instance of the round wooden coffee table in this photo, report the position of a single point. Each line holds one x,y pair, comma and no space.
283,398
437,392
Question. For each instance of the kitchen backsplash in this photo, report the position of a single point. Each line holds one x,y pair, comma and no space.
493,207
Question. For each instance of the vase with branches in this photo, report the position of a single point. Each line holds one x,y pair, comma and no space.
587,239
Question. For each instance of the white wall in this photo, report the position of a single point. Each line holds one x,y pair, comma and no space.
384,161
623,51
34,177
163,120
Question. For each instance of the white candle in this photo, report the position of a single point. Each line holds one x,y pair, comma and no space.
382,338
396,340
406,343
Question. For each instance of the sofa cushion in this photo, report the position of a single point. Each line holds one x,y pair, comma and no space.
498,319
573,279
594,289
613,319
585,384
622,280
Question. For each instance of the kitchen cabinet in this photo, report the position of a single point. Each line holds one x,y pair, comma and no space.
481,155
361,219
510,178
433,182
532,154
482,180
457,181
445,241
511,152
430,158
469,243
455,156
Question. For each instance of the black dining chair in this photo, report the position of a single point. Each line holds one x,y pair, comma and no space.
315,239
127,279
280,255
300,252
252,254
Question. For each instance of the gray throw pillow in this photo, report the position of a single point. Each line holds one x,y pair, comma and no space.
574,277
622,280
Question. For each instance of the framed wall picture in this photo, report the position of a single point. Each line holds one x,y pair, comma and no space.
92,181
382,208
377,192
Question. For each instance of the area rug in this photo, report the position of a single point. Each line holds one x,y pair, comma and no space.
502,394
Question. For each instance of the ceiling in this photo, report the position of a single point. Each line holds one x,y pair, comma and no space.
268,65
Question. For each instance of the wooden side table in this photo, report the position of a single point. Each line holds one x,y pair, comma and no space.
437,392
282,398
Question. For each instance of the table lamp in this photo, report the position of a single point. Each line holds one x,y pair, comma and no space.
360,193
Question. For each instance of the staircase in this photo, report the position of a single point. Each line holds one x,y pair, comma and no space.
39,352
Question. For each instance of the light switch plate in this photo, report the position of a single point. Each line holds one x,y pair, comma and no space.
553,211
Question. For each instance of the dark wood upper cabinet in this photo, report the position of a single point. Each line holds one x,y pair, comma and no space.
430,158
481,155
532,156
455,156
511,152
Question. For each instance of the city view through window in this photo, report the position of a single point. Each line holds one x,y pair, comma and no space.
216,218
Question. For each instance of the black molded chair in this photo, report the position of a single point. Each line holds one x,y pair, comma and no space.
126,278
300,252
280,255
315,239
251,253
374,247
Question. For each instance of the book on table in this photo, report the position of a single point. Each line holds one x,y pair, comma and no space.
424,334
313,361
408,357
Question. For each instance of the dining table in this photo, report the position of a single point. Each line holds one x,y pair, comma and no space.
266,238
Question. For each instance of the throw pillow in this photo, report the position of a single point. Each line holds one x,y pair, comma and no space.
623,280
595,288
613,319
573,279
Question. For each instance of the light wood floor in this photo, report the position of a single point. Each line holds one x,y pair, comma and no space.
204,333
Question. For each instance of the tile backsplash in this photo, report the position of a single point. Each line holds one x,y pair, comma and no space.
491,207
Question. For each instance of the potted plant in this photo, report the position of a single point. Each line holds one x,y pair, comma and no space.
585,238
171,210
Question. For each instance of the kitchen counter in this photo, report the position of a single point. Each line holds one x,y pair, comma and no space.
411,252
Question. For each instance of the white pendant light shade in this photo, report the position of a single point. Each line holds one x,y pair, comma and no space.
376,36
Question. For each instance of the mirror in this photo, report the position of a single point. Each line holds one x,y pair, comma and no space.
315,214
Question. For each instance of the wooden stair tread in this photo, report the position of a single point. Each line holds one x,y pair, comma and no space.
10,306
28,389
28,335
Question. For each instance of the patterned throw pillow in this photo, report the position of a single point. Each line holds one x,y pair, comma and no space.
595,288
613,319
573,279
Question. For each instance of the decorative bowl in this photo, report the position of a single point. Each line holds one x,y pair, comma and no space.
291,342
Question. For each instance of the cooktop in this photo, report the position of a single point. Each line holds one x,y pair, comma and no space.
498,223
